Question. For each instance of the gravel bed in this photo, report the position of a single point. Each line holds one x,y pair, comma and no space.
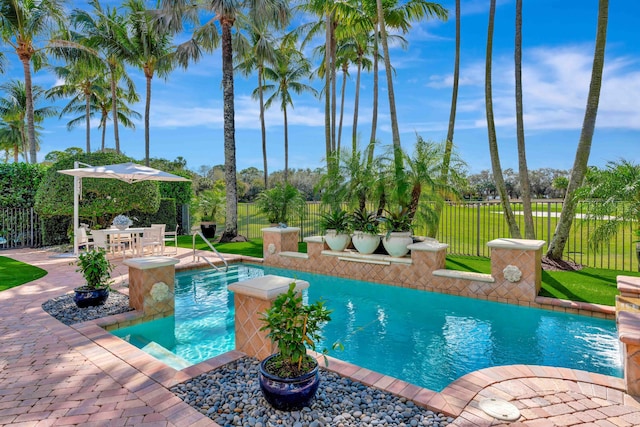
65,310
231,396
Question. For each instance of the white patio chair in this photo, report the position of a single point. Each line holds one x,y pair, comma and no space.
171,236
84,240
153,237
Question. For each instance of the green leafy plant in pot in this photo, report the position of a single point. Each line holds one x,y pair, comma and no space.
289,379
336,225
96,269
398,237
365,231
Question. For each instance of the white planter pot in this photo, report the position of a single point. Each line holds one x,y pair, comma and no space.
337,242
397,242
365,243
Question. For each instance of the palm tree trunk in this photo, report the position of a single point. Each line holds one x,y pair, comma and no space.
263,127
231,220
147,112
559,240
114,107
286,146
327,90
523,170
332,70
87,119
344,85
491,128
356,104
374,114
395,132
103,122
28,88
446,159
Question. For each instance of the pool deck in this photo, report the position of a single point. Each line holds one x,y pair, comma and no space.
52,374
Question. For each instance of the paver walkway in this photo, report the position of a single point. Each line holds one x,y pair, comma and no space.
52,374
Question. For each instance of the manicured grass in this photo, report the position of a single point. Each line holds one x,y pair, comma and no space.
593,285
15,273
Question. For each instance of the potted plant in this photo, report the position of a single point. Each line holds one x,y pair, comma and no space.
280,202
96,269
289,378
365,231
209,203
398,237
335,225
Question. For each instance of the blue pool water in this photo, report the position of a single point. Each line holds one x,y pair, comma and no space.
425,338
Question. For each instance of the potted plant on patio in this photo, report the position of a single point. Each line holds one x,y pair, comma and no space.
398,237
209,203
96,269
365,231
289,378
335,225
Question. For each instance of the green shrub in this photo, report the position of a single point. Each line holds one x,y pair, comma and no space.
166,214
18,184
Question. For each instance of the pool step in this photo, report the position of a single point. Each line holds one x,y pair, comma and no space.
158,351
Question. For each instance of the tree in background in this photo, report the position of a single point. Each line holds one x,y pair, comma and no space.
561,234
24,25
514,230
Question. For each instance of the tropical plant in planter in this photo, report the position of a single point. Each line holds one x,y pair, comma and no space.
336,225
280,203
365,231
289,379
209,204
398,237
96,269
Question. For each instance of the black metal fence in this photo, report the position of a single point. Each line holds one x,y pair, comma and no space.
465,226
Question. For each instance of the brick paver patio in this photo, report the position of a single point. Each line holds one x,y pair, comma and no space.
52,374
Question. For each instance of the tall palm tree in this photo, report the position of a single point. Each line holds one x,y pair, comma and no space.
81,81
124,112
24,24
13,111
101,30
523,170
291,66
256,51
176,12
147,46
413,10
561,234
514,230
11,140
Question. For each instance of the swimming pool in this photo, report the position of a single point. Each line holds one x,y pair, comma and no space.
425,338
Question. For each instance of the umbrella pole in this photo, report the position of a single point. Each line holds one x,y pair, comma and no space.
76,210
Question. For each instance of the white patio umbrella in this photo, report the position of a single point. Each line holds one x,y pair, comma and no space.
127,172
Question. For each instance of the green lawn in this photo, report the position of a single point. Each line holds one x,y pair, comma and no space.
591,285
15,273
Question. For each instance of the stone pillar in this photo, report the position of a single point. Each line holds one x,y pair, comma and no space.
151,285
628,320
276,240
428,256
516,267
252,298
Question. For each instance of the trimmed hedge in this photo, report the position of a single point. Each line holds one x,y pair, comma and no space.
166,215
18,184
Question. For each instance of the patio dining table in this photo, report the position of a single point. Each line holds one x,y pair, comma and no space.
136,234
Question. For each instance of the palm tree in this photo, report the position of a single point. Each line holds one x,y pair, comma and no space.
104,105
523,170
102,32
82,81
13,111
173,13
561,234
291,66
24,23
514,230
11,140
258,51
146,46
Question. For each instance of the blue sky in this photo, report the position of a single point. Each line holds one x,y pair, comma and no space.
558,41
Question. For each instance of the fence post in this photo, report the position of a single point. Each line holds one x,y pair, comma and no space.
478,230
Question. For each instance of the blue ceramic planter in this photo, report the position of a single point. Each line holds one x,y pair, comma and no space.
288,394
90,297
